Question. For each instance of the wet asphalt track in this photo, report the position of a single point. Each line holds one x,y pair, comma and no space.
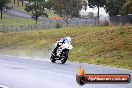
19,72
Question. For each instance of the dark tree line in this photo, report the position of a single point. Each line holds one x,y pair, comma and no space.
3,5
68,9
112,7
18,2
36,8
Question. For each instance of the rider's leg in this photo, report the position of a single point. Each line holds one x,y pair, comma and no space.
54,52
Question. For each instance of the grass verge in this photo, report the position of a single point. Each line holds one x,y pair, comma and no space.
110,46
15,21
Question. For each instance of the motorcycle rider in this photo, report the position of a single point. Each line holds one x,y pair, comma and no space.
60,42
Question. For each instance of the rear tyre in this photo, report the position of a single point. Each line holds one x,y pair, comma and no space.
52,58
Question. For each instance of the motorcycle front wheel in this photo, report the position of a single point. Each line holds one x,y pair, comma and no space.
52,58
64,59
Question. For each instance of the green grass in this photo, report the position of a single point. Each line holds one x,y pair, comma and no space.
11,23
15,21
111,46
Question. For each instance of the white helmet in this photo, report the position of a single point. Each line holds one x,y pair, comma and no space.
68,39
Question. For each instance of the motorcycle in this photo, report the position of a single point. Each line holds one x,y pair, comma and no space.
61,53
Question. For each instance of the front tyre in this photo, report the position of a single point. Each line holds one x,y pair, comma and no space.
52,58
64,58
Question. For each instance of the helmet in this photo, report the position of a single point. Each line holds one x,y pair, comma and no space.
68,39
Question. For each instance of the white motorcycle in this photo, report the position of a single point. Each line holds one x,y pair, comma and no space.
61,53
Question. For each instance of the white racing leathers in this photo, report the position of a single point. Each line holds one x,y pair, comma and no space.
62,50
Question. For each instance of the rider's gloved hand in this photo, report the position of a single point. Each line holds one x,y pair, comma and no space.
59,43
